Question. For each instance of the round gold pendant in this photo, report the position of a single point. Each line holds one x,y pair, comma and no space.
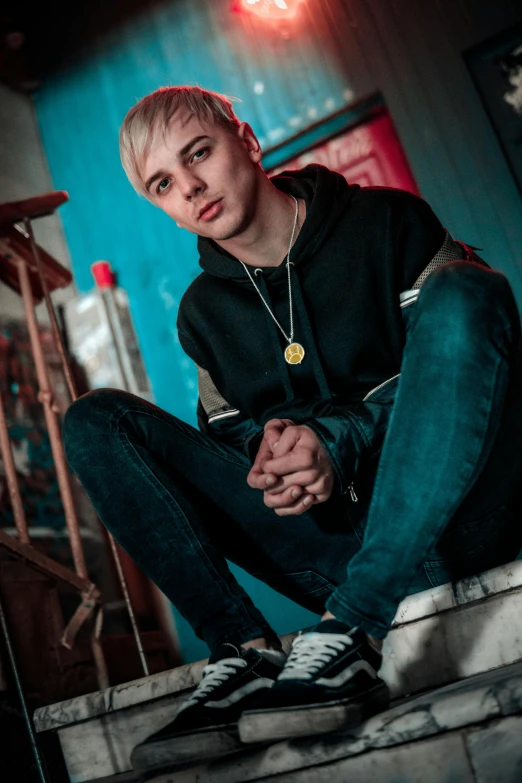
294,354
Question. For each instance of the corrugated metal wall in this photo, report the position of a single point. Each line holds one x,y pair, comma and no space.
414,56
336,51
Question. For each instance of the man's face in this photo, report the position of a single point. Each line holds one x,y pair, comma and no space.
196,165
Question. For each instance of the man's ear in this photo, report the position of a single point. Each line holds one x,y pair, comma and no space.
249,139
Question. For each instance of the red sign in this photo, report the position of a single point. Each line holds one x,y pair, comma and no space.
370,154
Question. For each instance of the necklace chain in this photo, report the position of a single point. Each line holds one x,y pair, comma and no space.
287,338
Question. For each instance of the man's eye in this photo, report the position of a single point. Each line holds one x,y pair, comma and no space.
203,149
163,185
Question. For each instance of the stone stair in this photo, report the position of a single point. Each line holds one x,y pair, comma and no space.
464,732
450,661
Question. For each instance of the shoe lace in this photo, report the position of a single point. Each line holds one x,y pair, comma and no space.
311,651
214,674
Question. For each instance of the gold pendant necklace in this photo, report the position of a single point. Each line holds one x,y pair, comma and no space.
294,352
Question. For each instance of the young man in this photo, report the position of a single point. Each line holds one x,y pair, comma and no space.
360,425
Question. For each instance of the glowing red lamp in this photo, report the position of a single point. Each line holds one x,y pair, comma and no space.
272,9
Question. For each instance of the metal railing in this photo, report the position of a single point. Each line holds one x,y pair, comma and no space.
33,274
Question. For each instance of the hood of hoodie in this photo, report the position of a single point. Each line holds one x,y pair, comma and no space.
326,194
358,248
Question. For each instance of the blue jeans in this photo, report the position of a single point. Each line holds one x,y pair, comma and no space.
439,500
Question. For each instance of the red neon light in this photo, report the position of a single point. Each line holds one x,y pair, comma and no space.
272,9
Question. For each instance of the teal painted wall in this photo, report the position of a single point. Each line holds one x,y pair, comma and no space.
80,110
335,53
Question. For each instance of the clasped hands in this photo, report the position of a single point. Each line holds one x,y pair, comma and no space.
292,468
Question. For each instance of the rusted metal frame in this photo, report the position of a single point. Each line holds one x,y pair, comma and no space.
130,610
97,651
50,309
12,479
45,396
14,243
35,207
90,594
43,563
88,603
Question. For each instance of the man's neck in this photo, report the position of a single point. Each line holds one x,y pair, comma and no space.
266,241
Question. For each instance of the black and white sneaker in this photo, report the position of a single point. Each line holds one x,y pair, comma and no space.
329,683
205,727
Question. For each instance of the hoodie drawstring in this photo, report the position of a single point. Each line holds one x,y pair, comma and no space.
283,366
308,340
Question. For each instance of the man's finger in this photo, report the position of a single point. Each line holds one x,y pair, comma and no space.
274,429
272,436
264,453
256,471
278,424
286,498
300,507
290,463
272,433
322,488
302,478
288,440
258,479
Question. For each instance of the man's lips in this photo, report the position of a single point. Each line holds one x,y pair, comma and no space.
211,210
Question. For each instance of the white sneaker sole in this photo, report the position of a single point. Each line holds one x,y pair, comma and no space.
304,721
202,745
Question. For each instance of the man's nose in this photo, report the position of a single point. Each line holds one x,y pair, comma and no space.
190,186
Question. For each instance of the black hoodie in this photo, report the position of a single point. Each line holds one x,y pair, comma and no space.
357,250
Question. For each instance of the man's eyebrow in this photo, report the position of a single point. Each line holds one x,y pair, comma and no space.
157,175
181,154
186,148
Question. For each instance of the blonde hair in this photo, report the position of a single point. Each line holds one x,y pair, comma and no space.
151,116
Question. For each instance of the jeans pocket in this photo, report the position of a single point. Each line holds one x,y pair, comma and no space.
475,546
306,588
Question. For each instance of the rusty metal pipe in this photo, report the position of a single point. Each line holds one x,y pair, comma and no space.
97,652
123,583
46,565
12,479
51,419
50,309
96,647
45,396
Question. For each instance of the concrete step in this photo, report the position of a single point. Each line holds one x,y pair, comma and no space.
439,636
466,732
